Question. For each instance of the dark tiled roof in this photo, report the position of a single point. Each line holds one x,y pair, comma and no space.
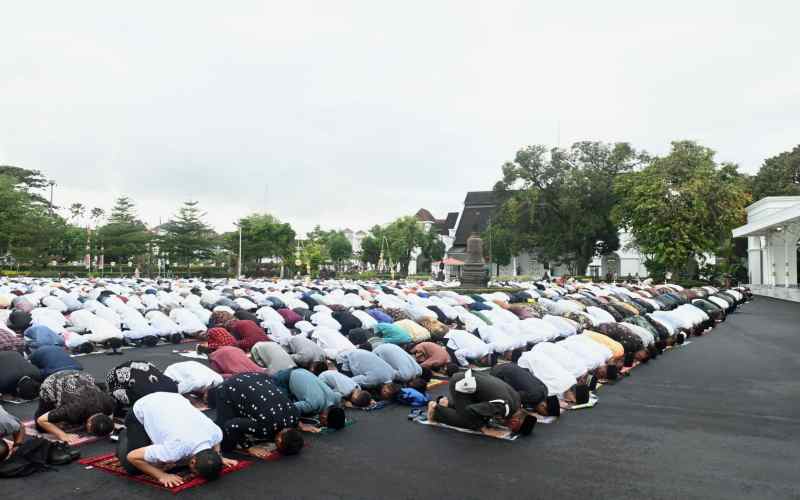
480,198
478,209
450,221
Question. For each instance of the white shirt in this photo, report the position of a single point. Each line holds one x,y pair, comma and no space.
177,429
192,376
466,346
331,341
499,340
162,323
367,321
593,353
277,332
564,357
564,327
557,379
537,330
187,321
100,329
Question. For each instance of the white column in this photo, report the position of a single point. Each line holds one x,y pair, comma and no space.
754,260
514,263
786,257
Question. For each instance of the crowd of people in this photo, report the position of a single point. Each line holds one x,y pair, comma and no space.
280,358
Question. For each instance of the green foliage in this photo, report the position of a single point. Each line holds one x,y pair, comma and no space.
124,237
263,236
558,203
370,250
187,237
681,206
339,247
778,176
402,237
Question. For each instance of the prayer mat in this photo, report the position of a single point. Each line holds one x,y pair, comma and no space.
440,375
31,430
436,383
187,353
11,400
592,401
110,463
375,406
272,452
103,351
541,419
325,430
420,417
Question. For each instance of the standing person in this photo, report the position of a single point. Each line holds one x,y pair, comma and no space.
251,408
165,430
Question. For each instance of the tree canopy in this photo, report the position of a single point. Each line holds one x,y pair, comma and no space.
557,203
186,236
681,206
263,236
778,176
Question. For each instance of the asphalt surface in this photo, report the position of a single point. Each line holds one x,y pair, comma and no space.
717,418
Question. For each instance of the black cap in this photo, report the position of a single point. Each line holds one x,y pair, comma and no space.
553,407
528,423
581,394
629,358
336,418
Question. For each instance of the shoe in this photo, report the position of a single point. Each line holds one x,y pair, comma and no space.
60,454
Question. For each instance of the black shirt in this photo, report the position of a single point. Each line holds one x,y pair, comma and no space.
12,368
532,391
255,397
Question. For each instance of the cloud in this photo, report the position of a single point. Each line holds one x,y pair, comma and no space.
349,114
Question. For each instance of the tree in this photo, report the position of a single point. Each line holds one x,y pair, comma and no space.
557,204
497,244
339,247
778,176
405,235
186,236
125,237
29,181
263,236
681,206
370,250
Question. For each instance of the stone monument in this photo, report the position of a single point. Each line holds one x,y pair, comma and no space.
474,272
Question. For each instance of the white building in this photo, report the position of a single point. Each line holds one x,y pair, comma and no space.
772,232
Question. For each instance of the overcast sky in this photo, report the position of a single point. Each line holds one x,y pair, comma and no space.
348,114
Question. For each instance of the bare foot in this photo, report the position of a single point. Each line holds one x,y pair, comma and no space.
431,410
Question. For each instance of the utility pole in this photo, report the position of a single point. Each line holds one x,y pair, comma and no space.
51,183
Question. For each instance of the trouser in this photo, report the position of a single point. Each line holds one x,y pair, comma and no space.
456,413
452,355
132,438
240,431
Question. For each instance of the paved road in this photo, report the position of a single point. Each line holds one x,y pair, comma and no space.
715,419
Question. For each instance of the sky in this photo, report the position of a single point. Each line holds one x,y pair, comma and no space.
352,113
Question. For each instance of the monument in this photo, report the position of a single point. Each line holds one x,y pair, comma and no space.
473,273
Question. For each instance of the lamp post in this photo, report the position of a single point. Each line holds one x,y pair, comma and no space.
51,183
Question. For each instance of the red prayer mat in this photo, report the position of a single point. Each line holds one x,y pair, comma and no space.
110,463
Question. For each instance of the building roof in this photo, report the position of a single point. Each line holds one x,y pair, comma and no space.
787,211
424,215
479,206
480,198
